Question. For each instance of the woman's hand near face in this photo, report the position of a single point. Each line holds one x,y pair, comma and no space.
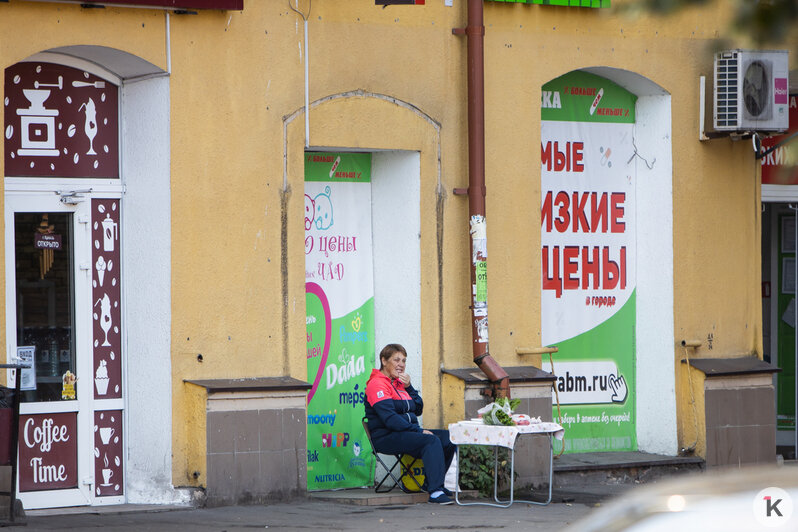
404,378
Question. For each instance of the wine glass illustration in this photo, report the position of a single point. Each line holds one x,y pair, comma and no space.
90,126
105,316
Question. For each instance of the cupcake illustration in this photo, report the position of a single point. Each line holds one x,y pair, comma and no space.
101,378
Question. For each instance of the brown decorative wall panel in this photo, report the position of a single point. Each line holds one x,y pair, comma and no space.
108,453
60,122
48,451
106,298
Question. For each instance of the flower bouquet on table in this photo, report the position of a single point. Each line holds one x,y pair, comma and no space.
500,412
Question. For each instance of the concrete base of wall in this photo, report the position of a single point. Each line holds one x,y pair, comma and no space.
741,422
739,410
256,441
256,456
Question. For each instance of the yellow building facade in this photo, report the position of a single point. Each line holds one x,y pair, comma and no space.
206,202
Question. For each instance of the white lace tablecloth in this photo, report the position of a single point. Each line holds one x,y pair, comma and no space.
477,433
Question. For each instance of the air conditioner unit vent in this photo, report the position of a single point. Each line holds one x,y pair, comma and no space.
751,91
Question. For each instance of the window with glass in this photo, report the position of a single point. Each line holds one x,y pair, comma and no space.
45,310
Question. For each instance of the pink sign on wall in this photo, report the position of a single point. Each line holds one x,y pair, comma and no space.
48,451
108,453
106,295
60,122
780,167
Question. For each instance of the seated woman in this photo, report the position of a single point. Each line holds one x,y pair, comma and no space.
392,405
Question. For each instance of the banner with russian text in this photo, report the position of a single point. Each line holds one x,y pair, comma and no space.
780,166
588,257
563,3
339,301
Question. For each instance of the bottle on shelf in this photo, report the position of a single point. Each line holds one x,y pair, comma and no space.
54,361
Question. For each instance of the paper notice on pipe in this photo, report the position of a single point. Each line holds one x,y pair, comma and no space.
789,314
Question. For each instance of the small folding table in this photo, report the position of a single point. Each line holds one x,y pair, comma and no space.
475,432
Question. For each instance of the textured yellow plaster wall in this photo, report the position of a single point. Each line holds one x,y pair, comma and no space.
191,438
454,392
236,76
139,32
692,424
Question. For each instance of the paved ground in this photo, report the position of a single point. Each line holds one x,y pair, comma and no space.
309,514
575,495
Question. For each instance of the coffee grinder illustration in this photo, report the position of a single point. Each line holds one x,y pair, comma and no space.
38,122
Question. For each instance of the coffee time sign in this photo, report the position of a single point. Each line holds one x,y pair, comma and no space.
48,451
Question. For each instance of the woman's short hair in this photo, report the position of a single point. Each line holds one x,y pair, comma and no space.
388,351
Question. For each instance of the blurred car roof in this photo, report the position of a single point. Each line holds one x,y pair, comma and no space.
718,500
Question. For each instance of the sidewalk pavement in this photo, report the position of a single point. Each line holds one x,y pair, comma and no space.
308,514
575,494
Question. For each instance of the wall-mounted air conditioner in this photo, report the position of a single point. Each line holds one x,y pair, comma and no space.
751,91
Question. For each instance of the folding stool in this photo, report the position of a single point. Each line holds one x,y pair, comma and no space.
406,470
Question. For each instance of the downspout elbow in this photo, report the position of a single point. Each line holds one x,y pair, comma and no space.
499,379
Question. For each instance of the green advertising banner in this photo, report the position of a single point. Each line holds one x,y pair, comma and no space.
584,97
339,301
588,258
564,3
338,167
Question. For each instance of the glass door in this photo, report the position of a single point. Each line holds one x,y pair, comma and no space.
787,340
48,326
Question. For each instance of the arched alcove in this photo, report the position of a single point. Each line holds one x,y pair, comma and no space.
650,158
405,146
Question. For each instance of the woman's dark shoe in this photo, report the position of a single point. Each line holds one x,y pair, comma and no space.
440,499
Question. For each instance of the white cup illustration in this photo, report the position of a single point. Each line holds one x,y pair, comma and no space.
107,474
105,434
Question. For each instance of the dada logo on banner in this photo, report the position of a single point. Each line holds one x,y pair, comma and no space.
588,256
339,316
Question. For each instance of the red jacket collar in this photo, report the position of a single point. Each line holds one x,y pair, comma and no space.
377,374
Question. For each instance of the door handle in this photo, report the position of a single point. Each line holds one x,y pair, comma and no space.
73,197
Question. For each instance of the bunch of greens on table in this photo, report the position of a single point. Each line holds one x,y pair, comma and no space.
499,412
